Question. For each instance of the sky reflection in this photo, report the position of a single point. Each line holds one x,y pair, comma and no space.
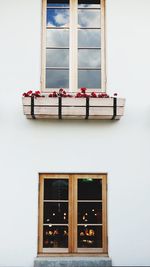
57,78
57,58
57,17
89,78
89,58
57,38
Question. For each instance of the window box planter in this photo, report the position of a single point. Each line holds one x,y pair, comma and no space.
73,108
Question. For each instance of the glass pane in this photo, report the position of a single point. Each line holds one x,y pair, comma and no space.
89,58
57,3
57,38
57,78
89,236
89,78
89,3
89,18
90,189
55,236
89,213
57,17
55,189
56,212
89,38
57,58
60,3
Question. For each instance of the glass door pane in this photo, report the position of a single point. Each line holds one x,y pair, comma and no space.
89,213
55,214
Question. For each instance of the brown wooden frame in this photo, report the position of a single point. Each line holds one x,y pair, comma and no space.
72,245
73,47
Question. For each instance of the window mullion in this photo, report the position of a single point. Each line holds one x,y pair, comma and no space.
75,213
104,213
73,46
43,55
72,214
103,52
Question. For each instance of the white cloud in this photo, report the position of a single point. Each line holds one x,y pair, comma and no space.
62,18
89,18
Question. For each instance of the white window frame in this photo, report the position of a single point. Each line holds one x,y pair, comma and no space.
73,48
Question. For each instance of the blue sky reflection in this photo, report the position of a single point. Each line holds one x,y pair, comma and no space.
57,17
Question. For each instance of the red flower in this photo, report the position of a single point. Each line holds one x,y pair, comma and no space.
83,90
55,94
100,95
115,94
103,95
29,93
62,93
50,95
69,95
78,95
93,94
25,94
37,92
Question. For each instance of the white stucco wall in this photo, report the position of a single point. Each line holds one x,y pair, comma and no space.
122,149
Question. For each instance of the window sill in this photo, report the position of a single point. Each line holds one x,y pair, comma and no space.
72,261
73,108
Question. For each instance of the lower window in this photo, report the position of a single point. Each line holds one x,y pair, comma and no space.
72,213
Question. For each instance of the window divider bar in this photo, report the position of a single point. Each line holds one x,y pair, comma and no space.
103,45
90,201
57,7
90,224
66,201
53,47
55,224
57,68
89,68
89,48
89,28
89,8
43,46
73,38
57,28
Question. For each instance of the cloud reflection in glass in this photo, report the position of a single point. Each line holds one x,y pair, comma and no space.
57,17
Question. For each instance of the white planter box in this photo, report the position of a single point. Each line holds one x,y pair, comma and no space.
73,108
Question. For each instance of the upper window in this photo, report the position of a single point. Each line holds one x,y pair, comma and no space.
73,45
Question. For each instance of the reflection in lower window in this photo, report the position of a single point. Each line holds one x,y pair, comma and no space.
55,236
55,189
55,212
89,213
89,236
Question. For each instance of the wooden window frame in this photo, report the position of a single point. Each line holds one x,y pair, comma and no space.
72,218
73,48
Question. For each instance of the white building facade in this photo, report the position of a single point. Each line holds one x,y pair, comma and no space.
119,149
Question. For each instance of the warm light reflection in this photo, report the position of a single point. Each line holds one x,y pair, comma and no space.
55,236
